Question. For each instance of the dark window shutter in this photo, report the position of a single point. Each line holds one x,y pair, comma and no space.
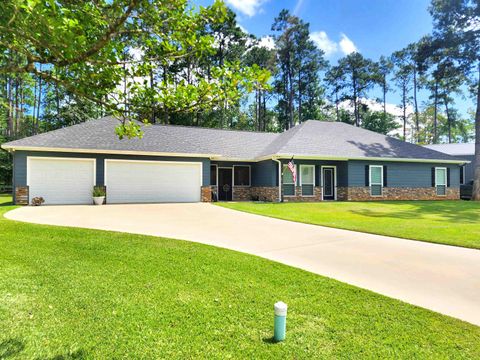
367,175
448,177
433,177
385,176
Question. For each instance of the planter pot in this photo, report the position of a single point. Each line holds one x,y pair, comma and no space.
98,200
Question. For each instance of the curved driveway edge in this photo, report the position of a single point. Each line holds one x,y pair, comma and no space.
442,278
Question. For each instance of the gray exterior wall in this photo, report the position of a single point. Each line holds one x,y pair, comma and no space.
402,174
468,167
20,163
342,170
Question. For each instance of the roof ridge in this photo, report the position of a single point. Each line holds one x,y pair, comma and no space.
216,129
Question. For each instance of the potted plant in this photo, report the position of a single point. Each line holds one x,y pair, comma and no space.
98,195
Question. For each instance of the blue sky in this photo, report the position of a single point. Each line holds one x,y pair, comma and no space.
371,27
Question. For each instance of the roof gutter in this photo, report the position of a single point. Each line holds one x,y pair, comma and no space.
335,158
103,151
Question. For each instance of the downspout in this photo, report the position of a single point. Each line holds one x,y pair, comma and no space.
279,179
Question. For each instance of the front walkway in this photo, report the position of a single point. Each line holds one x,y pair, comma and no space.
439,277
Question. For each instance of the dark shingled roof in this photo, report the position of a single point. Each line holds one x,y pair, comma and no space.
311,138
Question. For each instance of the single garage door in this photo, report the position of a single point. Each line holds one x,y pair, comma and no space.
61,180
130,181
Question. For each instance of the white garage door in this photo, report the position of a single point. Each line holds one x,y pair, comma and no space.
61,180
152,181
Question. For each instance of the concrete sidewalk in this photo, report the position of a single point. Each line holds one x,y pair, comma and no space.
438,277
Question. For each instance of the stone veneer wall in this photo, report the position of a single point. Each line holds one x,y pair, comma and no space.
21,195
343,194
317,195
396,193
206,193
260,193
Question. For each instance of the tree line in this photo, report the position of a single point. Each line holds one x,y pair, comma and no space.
171,64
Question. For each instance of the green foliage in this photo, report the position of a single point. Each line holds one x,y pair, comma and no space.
98,191
378,121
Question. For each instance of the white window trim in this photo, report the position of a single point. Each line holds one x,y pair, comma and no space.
334,179
370,179
285,166
446,180
301,181
249,176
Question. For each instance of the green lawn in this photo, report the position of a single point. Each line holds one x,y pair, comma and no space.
445,222
69,293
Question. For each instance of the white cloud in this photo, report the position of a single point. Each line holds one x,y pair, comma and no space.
346,45
243,29
247,7
267,42
323,42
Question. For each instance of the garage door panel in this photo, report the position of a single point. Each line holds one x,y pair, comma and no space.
61,180
152,181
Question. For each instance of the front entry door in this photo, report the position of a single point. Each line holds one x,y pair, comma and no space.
328,177
225,184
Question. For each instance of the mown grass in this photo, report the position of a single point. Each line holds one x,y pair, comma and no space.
68,293
444,222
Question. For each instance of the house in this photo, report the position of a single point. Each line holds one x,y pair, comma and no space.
459,151
334,161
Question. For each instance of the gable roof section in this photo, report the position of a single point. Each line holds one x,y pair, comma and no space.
343,141
454,149
311,139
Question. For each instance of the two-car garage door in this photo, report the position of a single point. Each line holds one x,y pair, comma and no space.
70,181
152,181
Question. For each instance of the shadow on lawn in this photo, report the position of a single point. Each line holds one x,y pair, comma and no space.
454,211
10,347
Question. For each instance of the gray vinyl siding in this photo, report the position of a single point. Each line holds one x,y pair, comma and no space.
402,174
468,167
265,173
20,163
342,170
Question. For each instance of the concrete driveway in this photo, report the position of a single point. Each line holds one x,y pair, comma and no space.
438,277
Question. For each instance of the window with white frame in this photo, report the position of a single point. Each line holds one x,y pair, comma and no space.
307,178
376,180
287,182
441,181
241,175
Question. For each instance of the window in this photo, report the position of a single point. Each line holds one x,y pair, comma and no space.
287,181
307,178
376,180
241,175
213,175
441,181
462,175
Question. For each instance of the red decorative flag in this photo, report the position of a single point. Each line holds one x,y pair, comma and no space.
293,170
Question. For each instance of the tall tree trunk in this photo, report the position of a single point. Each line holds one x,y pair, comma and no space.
336,105
290,99
299,98
10,108
384,96
435,113
404,105
34,105
355,104
264,116
476,181
39,101
17,122
449,121
417,120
